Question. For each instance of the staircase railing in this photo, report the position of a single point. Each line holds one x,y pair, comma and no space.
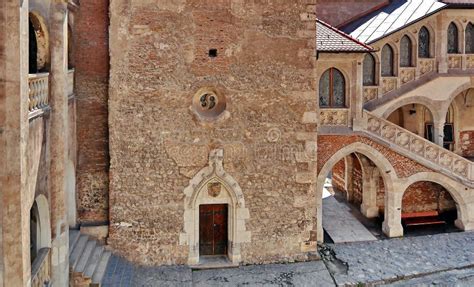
415,145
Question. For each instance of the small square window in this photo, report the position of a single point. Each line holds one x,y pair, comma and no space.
213,53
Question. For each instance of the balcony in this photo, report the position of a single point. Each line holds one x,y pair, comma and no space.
41,268
38,92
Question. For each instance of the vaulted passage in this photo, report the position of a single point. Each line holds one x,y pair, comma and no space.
428,208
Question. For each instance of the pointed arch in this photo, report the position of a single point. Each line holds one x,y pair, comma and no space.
406,52
197,193
451,186
470,38
424,43
369,70
386,168
453,38
388,61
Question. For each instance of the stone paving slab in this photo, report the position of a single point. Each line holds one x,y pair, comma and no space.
297,274
341,225
459,278
393,259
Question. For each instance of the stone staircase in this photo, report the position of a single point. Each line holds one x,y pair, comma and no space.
419,149
88,259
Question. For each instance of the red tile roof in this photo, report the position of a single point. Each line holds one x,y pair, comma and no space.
330,39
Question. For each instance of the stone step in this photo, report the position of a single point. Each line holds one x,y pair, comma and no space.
73,237
82,263
101,267
78,250
93,261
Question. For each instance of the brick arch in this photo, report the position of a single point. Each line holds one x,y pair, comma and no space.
452,187
371,153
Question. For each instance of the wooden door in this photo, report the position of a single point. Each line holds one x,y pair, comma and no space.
213,229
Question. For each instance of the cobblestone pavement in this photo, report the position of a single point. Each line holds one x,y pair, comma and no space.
459,278
441,260
383,260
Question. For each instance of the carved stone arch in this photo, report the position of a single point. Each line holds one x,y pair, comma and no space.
386,170
459,192
197,193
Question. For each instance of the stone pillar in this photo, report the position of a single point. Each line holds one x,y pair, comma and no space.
58,142
438,132
441,43
370,185
392,225
14,209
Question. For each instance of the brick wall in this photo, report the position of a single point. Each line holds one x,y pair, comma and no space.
328,145
159,60
337,12
355,194
467,143
427,196
92,68
339,175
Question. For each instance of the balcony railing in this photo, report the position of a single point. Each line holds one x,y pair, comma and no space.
38,91
41,268
70,83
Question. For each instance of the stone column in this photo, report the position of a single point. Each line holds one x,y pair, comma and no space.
392,225
438,132
441,44
14,209
58,142
370,185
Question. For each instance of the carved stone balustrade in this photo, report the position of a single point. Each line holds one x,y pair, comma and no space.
334,117
407,74
389,84
70,82
455,61
41,268
370,93
426,66
438,156
470,61
38,91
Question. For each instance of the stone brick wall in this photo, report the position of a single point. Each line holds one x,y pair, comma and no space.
427,196
92,70
264,68
337,12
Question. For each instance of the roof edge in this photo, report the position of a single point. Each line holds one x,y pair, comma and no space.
345,35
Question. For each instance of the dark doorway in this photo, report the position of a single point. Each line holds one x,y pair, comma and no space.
213,229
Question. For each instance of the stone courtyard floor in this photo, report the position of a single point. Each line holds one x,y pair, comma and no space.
436,260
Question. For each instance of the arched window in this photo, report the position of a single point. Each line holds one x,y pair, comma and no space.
470,39
406,52
387,61
424,43
453,39
332,89
369,70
